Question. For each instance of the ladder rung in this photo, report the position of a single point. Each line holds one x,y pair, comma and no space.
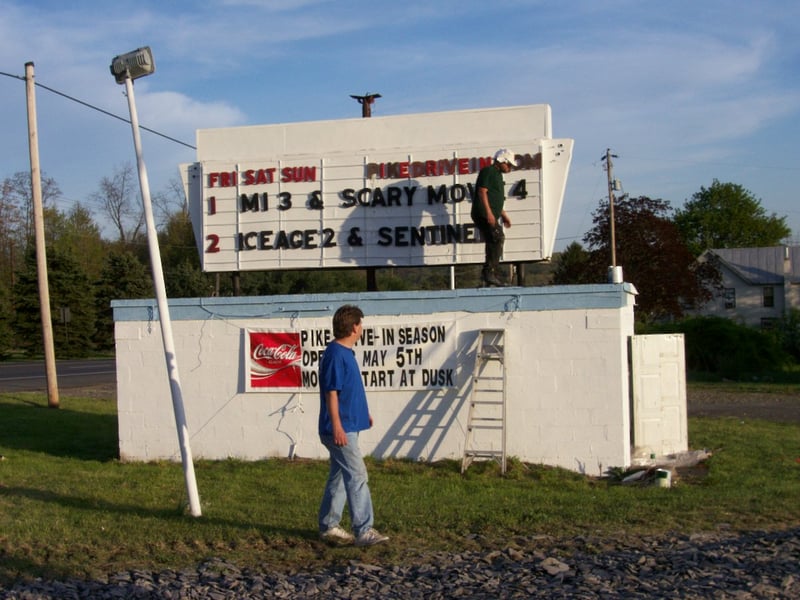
484,453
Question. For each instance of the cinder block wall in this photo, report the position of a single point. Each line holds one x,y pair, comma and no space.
566,365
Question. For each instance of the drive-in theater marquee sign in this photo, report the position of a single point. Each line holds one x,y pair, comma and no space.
381,191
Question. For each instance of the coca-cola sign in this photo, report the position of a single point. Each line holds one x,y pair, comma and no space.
275,359
405,356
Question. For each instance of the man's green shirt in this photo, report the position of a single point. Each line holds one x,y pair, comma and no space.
490,178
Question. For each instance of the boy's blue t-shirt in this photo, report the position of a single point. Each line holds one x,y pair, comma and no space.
339,371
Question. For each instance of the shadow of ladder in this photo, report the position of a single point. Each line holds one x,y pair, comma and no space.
486,421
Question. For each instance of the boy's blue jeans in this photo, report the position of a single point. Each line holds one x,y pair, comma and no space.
347,481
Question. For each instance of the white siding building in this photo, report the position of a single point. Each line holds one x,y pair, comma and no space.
760,285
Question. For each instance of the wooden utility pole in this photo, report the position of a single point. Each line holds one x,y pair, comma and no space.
607,157
366,101
41,255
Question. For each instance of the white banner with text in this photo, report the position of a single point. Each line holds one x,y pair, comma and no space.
390,357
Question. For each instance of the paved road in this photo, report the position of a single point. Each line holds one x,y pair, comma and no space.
31,376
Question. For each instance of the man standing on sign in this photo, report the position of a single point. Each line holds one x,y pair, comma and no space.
343,414
488,214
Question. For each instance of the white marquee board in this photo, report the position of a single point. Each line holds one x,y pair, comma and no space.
381,191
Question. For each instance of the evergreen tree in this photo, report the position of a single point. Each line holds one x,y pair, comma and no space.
71,306
123,277
186,280
572,266
7,341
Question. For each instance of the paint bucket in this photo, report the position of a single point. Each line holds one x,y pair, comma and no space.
663,478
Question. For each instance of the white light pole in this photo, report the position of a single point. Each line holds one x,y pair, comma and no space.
126,68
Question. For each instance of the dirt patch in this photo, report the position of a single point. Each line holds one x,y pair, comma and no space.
780,407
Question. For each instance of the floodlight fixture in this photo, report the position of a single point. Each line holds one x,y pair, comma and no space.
138,63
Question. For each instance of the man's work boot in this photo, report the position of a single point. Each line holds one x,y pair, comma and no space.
492,280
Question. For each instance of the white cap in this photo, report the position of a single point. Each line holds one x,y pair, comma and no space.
506,156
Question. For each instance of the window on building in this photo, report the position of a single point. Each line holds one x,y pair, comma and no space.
769,296
768,323
729,296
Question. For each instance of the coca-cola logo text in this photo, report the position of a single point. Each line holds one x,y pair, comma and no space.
285,353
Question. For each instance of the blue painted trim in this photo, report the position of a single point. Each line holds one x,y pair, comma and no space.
564,297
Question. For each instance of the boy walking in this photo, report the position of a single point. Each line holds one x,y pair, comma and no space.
343,414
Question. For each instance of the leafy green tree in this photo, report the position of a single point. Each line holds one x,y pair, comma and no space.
123,277
787,333
71,305
76,233
176,241
727,349
726,215
653,257
182,273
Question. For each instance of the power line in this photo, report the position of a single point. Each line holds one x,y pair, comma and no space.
98,109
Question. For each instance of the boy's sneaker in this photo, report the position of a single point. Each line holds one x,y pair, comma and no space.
337,535
371,537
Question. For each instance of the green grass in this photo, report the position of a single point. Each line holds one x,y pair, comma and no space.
68,507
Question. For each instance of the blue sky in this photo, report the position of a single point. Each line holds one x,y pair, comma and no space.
684,92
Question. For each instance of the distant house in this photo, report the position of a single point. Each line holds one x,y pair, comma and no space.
759,284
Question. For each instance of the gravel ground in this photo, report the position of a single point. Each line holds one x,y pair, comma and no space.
752,565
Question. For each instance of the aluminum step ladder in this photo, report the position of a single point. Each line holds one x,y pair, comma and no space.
486,423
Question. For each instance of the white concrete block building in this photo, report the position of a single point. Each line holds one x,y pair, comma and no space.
569,400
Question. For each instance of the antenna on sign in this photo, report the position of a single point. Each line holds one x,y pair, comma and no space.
366,101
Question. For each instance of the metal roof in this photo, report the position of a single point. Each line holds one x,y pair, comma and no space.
763,266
